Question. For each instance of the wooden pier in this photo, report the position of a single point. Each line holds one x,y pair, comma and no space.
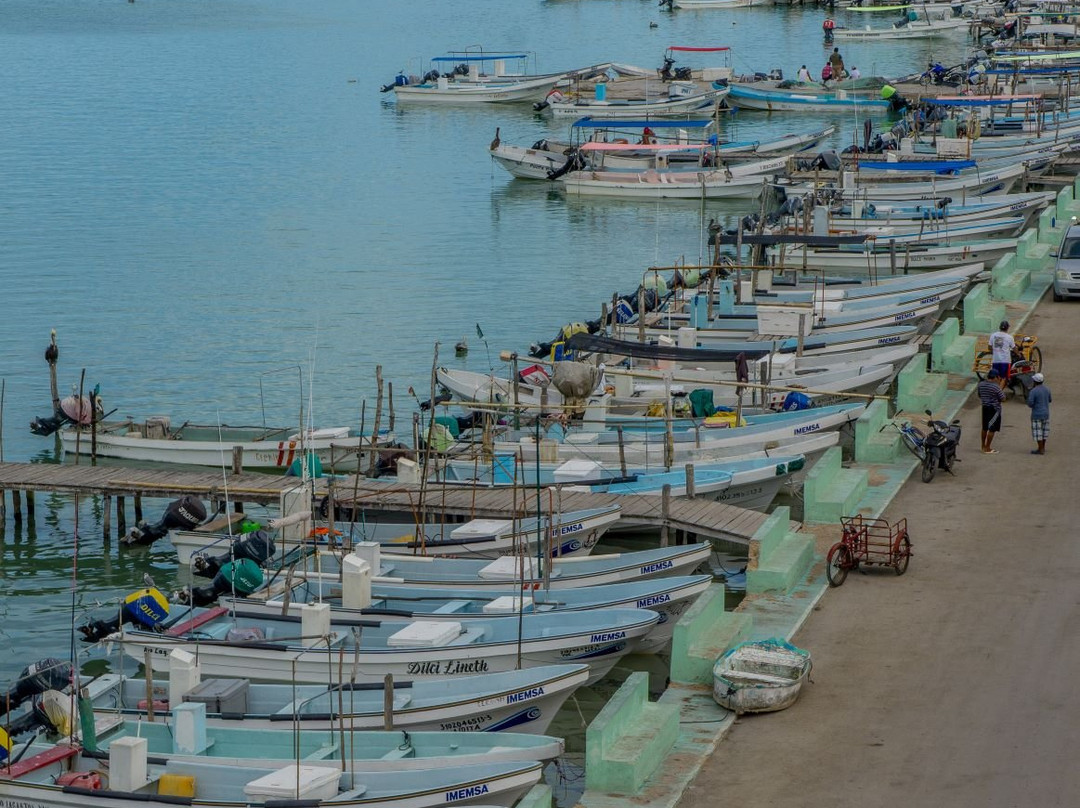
119,482
685,518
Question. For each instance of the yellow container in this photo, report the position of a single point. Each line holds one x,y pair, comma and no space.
176,785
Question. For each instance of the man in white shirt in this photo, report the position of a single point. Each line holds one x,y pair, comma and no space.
804,75
854,73
1001,348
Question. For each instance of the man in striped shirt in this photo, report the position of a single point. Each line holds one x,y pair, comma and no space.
991,394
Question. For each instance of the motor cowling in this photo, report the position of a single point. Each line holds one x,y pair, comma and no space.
257,547
146,607
35,679
185,513
239,578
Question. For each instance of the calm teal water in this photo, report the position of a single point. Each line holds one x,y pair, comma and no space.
197,193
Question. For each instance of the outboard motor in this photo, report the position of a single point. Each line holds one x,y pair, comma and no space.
35,679
574,162
257,547
240,577
185,513
146,607
400,80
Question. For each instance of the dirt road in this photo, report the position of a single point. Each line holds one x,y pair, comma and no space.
957,684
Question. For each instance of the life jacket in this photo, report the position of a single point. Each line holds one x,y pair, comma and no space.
829,24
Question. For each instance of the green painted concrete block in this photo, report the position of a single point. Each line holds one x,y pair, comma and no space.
787,565
950,352
703,633
918,390
1050,226
1064,204
831,491
629,738
873,442
981,314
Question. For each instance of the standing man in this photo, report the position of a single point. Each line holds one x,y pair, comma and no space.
1001,348
991,393
1039,401
836,61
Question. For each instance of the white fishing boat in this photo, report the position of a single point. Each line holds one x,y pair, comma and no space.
922,28
444,91
806,98
669,597
654,184
911,256
569,534
702,4
523,700
264,448
307,649
872,187
760,677
64,775
683,98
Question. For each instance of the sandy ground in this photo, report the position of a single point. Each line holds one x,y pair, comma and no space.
956,684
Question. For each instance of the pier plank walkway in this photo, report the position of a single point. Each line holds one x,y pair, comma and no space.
692,516
698,516
114,480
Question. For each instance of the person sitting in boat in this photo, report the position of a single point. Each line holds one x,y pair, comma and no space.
804,75
854,73
648,137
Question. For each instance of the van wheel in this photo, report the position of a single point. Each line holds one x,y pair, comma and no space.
1058,298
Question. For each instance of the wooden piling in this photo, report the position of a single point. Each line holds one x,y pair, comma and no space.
52,355
641,314
237,459
388,701
121,516
690,479
138,508
665,512
3,506
30,505
390,405
622,451
378,419
16,506
93,426
106,517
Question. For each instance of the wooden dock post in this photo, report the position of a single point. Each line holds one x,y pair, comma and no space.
16,506
3,506
106,517
390,405
237,459
388,701
121,517
378,418
690,480
30,505
138,508
665,511
52,355
622,452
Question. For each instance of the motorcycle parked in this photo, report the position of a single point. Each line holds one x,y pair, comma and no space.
940,443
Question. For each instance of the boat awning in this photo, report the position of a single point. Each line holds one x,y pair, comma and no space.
593,343
698,50
772,239
981,100
486,57
633,123
592,146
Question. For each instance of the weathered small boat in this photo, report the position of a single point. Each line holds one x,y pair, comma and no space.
796,98
760,677
525,701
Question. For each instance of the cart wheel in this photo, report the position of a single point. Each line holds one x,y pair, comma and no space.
982,364
903,556
837,564
929,466
1036,359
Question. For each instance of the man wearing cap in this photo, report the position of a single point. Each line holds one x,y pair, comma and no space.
1001,348
991,393
1039,401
